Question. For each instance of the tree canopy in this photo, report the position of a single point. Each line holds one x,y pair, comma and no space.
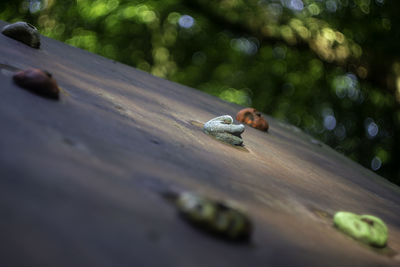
330,67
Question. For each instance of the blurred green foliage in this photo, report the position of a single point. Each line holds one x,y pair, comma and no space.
330,67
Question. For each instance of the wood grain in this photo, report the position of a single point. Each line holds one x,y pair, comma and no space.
80,179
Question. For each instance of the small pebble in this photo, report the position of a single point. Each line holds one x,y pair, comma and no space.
253,118
365,228
223,129
23,32
38,82
315,142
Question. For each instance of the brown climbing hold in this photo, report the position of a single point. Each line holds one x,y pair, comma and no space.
253,118
39,82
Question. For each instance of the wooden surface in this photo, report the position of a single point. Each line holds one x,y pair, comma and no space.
81,178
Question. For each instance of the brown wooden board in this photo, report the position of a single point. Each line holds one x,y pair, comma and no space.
80,179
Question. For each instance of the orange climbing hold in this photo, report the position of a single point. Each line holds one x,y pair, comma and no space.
253,118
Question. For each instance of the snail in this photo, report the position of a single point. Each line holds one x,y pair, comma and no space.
38,81
223,129
214,216
23,32
253,118
366,228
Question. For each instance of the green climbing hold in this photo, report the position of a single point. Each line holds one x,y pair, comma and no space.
214,216
365,228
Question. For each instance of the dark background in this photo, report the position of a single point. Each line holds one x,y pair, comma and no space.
330,67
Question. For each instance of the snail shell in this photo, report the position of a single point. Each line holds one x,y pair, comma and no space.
23,32
214,216
38,81
223,129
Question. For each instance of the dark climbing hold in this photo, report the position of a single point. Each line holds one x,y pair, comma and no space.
39,82
23,32
215,217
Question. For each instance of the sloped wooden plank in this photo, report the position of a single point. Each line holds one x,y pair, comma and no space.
81,178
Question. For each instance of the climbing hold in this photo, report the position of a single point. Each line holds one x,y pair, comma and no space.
38,81
223,129
365,228
214,217
253,118
23,32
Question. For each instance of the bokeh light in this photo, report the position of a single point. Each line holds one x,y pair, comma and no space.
186,21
